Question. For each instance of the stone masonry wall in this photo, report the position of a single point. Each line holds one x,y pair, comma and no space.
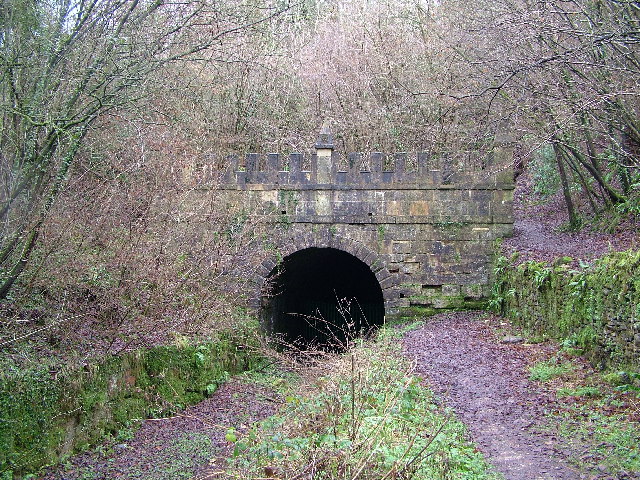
594,308
426,231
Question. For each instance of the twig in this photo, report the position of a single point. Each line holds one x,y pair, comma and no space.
7,342
415,458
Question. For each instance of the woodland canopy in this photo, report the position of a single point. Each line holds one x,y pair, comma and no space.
104,102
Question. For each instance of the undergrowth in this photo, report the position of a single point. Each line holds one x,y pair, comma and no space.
613,440
598,422
360,415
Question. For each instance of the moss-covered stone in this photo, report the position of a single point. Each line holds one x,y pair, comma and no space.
594,308
45,416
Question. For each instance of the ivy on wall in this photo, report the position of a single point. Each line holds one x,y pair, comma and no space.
44,419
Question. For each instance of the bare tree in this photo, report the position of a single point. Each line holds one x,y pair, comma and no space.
567,73
63,64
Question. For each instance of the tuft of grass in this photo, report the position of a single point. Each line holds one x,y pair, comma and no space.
547,370
583,391
363,415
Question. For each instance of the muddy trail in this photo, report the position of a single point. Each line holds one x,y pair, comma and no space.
485,381
467,358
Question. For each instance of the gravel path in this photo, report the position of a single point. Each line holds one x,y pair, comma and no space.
485,382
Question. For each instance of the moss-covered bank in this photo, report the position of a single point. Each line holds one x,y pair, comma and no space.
595,308
45,415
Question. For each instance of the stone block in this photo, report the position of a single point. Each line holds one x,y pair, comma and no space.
450,290
395,258
394,208
389,282
473,292
400,247
409,289
441,248
382,274
441,302
410,268
403,303
469,267
421,300
376,266
418,208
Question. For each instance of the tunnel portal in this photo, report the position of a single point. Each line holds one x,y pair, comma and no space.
320,297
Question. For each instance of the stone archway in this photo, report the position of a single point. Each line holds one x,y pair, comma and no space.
321,296
325,239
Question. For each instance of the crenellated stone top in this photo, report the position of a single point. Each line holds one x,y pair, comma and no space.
327,169
361,170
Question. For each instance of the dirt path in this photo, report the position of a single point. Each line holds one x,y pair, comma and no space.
191,445
485,382
538,236
460,355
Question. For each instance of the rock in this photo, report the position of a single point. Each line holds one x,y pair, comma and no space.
511,339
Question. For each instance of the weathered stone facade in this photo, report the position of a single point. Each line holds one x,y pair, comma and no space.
425,230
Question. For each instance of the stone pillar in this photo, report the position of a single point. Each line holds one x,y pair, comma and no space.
324,149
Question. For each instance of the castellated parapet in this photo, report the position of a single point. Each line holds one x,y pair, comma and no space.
425,226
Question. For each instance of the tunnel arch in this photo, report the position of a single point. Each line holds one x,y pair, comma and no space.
321,296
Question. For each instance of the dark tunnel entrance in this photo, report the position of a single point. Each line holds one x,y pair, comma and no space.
320,297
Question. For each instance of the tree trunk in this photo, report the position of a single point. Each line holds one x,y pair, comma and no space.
574,222
27,248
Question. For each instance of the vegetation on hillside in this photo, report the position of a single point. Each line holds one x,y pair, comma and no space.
364,414
109,110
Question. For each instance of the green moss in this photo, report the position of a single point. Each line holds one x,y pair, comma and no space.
592,308
129,408
45,417
432,304
464,303
28,403
414,311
